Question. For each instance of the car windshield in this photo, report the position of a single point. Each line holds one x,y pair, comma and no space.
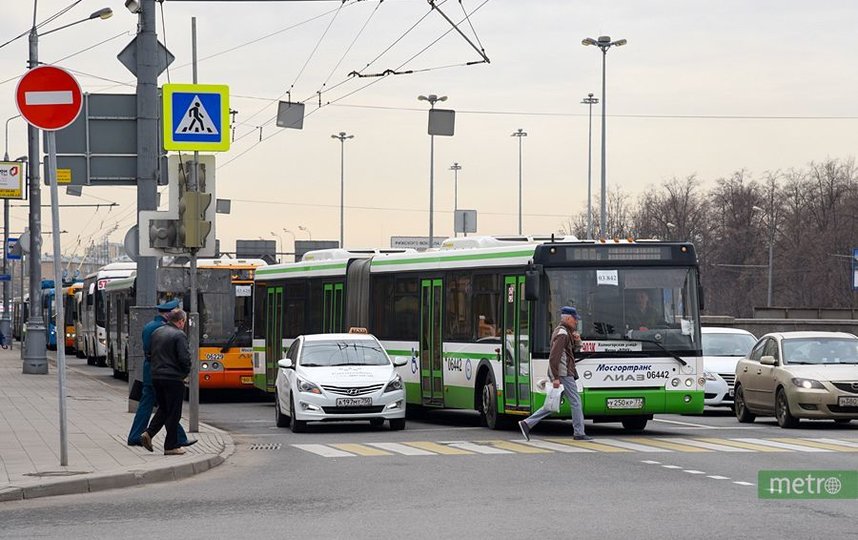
342,352
820,351
727,344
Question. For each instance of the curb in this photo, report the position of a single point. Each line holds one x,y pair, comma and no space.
119,479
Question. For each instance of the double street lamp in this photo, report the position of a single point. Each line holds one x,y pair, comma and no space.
519,133
770,223
590,101
455,167
604,43
432,99
342,137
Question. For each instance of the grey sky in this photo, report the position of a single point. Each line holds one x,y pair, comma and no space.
692,59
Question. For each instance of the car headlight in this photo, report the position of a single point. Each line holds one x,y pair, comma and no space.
709,376
807,383
308,387
395,384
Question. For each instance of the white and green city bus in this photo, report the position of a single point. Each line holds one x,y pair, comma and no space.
474,320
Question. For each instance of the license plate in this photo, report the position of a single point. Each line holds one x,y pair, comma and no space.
247,380
847,401
354,402
625,403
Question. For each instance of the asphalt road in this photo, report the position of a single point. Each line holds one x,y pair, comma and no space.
685,477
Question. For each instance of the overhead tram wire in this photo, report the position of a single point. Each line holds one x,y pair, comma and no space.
49,20
351,45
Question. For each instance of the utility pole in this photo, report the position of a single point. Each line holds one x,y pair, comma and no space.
519,133
342,137
194,334
455,167
590,100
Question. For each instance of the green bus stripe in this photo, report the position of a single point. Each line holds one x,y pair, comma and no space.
475,356
268,271
453,258
259,349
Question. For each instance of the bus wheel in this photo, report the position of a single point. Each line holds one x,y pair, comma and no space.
635,423
279,418
489,405
297,426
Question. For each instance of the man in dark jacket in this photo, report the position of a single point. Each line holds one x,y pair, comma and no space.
147,398
171,364
565,340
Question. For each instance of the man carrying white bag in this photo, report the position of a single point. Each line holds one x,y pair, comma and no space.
561,369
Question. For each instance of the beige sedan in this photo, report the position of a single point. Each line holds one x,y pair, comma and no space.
794,375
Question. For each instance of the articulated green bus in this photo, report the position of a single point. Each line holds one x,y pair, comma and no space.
474,319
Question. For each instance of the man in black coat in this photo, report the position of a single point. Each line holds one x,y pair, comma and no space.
171,364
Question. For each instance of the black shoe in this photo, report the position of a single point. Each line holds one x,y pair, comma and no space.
146,441
525,429
582,438
138,443
189,442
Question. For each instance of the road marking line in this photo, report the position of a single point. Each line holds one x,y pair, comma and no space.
402,449
692,471
672,446
737,444
632,446
782,445
681,423
590,445
716,477
478,448
516,447
438,448
322,450
850,444
58,97
671,466
650,462
555,447
816,444
360,449
708,446
743,483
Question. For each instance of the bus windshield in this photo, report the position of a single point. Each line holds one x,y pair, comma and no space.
654,307
225,319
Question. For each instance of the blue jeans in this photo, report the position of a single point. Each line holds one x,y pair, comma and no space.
144,411
570,389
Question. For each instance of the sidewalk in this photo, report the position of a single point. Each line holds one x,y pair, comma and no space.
98,424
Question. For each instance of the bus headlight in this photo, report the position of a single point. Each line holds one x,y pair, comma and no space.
204,365
689,382
701,381
674,382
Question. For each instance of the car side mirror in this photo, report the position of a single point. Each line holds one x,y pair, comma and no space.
768,361
399,362
285,363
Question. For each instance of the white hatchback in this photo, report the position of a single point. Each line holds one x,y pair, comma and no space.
722,350
332,377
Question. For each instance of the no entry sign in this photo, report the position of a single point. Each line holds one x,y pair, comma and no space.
48,97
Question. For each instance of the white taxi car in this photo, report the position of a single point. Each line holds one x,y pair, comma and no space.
332,377
722,350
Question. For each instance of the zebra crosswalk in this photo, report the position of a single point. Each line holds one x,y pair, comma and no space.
568,445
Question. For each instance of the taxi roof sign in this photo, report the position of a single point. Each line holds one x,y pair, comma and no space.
358,330
196,117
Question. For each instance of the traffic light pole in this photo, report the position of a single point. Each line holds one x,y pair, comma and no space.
194,338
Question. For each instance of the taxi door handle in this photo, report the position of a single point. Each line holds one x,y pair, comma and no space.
760,371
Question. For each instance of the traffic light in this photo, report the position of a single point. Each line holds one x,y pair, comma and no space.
162,233
194,227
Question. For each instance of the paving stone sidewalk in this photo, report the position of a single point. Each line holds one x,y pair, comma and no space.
98,423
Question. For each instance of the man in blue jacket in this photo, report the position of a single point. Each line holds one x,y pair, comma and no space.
147,401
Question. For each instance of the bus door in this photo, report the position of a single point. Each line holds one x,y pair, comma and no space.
273,333
332,308
431,374
516,356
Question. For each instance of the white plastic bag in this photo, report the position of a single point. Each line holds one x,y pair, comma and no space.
552,398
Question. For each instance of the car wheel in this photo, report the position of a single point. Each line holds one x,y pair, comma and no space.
635,423
784,417
489,405
397,424
842,420
743,415
279,418
376,422
297,426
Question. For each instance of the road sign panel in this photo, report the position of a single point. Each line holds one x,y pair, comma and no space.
11,180
5,277
196,117
48,97
13,254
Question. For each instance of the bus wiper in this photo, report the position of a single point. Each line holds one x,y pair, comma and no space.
231,339
656,343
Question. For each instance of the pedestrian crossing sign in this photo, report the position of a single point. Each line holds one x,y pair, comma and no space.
196,117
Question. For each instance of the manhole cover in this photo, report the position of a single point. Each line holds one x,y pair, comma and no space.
56,473
272,446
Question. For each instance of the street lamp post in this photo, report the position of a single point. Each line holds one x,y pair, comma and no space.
35,344
455,167
342,137
604,43
432,99
274,234
306,230
6,320
771,238
293,242
590,100
519,133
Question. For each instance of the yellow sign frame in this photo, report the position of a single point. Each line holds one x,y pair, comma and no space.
6,189
170,120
